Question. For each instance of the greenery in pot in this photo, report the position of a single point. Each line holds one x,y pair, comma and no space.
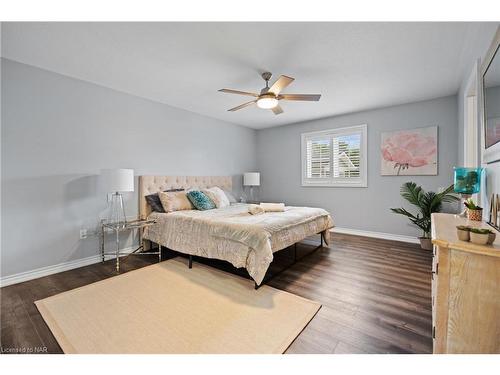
480,230
481,236
427,203
464,227
474,212
469,203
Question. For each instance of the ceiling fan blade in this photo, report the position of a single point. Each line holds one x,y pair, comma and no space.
280,84
241,106
277,110
304,97
229,91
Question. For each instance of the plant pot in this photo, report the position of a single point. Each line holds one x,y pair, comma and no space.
463,235
479,238
491,238
425,243
475,215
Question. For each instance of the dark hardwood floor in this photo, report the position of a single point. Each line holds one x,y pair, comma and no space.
376,297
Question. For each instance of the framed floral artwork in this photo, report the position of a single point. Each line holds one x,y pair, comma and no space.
409,152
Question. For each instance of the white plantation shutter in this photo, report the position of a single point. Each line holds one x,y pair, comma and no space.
319,152
335,157
346,154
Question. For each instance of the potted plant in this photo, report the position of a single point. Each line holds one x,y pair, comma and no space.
427,203
474,212
480,236
463,232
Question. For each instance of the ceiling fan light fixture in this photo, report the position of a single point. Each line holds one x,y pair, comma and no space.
267,102
269,97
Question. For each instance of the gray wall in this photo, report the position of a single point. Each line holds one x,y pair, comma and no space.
58,132
278,153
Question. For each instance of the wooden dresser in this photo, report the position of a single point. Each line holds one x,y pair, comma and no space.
465,290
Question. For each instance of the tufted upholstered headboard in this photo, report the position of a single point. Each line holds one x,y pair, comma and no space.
154,184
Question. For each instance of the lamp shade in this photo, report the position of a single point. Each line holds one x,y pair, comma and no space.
118,180
251,179
467,180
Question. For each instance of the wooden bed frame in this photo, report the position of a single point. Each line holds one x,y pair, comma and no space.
154,184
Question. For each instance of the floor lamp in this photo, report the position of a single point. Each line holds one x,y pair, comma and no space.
117,181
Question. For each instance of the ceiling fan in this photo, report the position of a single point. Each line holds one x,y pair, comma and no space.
269,97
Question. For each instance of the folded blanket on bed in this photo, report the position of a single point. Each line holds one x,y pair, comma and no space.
255,209
273,207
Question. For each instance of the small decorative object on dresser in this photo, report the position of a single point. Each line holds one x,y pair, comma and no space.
463,232
480,236
474,212
428,203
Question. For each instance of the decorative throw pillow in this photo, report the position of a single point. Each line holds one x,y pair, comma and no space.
175,201
230,197
217,196
154,200
200,200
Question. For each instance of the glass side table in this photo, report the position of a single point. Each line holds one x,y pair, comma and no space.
121,227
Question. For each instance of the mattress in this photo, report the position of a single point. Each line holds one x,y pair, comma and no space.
234,235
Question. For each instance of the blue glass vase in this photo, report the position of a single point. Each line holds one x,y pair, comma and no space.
467,180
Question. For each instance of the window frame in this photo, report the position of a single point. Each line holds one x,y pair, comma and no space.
332,181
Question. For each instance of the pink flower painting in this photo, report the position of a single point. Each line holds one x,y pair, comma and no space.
409,152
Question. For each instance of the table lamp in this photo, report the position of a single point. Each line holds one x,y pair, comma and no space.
251,179
467,181
117,181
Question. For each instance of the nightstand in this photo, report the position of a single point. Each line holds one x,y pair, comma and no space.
121,227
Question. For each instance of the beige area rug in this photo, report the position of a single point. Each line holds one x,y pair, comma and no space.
169,308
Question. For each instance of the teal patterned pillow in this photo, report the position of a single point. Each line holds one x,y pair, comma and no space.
200,200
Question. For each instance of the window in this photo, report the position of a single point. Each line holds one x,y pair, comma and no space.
335,157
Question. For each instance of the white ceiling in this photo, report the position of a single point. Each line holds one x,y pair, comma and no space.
355,66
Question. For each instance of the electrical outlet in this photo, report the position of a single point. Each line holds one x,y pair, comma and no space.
83,234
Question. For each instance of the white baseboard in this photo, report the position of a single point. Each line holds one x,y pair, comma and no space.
61,267
381,235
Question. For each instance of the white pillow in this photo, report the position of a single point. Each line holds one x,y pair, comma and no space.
230,196
217,195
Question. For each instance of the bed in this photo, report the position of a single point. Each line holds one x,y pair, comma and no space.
230,233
